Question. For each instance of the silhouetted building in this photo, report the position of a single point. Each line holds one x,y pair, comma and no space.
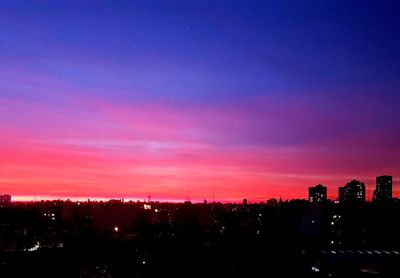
244,202
317,194
341,194
353,191
136,239
5,199
272,202
383,191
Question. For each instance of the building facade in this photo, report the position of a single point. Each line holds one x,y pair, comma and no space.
353,191
383,190
317,194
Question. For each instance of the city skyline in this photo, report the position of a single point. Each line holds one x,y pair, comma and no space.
316,194
191,100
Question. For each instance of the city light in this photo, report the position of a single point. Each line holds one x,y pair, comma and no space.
315,269
146,207
34,248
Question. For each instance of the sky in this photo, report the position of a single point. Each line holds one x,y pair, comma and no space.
180,99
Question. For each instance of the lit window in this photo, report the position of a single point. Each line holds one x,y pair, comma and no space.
146,206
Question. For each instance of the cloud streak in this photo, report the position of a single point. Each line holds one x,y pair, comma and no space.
256,147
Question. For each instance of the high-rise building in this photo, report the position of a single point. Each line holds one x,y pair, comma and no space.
383,190
353,191
317,194
341,194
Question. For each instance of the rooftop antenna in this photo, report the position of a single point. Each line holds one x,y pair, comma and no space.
213,189
213,201
272,190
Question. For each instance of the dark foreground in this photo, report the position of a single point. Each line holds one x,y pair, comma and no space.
114,239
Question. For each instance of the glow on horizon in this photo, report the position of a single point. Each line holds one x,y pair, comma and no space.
93,199
130,199
166,150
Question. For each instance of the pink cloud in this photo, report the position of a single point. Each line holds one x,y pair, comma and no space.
258,148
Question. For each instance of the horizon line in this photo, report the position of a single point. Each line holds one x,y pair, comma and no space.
32,198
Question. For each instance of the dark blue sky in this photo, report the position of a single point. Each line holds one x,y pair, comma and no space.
207,49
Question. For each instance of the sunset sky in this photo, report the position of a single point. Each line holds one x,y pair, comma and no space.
258,99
